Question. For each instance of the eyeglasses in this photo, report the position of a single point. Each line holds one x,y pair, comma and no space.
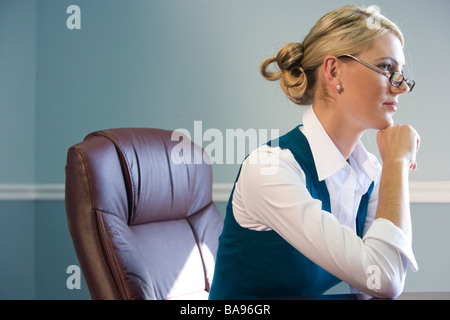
395,78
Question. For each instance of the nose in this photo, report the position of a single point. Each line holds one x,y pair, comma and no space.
402,88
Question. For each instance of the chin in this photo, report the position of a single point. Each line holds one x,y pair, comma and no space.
390,121
384,124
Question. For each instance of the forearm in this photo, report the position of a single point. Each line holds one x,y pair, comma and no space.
393,203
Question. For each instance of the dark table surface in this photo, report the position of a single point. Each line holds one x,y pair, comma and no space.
362,296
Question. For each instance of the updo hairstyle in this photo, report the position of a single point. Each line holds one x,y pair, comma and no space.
348,30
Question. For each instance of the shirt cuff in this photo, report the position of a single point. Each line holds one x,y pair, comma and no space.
384,230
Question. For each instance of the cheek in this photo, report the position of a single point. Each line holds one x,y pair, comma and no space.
370,91
362,94
359,84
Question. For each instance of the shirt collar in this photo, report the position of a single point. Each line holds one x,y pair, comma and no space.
323,150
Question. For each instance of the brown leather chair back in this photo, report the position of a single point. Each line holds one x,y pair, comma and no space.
143,226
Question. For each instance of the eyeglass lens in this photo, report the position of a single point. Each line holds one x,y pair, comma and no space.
396,80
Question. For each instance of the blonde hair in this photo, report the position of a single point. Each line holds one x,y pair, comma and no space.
347,30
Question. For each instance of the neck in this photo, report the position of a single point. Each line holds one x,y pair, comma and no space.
344,135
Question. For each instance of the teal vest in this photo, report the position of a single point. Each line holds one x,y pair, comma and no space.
261,264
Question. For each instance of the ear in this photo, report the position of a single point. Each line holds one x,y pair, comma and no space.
331,71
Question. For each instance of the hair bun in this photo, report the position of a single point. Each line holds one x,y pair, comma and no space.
293,77
290,56
288,60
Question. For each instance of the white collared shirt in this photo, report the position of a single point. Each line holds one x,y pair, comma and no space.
268,200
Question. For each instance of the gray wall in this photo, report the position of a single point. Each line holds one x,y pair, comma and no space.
17,91
167,64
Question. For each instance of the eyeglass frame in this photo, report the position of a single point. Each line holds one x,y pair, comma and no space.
396,83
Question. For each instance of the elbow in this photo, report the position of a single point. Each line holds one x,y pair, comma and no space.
385,271
388,291
382,284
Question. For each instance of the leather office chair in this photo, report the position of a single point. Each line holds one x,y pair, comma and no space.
143,227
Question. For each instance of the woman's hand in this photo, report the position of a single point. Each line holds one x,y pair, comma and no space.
399,143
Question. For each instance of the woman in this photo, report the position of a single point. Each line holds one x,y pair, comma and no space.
329,212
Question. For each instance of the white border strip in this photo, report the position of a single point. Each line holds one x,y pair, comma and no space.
420,192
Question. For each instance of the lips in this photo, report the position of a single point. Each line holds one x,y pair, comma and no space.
391,105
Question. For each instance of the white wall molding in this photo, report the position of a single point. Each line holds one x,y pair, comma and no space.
221,191
420,192
17,192
30,192
429,191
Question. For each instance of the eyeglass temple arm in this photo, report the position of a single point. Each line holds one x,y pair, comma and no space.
366,64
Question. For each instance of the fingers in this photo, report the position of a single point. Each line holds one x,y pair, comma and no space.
399,142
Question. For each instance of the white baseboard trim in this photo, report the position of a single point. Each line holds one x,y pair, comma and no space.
420,192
